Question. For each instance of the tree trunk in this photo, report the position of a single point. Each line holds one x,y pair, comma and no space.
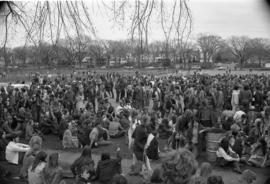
204,57
5,59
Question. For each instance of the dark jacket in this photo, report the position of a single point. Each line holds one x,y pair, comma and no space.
140,138
3,145
152,151
245,97
106,169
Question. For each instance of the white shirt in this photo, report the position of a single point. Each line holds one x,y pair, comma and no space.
238,115
221,153
13,149
149,140
235,97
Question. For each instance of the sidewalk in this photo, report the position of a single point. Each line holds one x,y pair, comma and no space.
229,177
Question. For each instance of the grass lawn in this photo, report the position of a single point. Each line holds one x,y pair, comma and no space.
52,142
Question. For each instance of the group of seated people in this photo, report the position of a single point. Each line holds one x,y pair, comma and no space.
179,113
33,165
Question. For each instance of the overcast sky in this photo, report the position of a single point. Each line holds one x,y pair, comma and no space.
221,17
231,17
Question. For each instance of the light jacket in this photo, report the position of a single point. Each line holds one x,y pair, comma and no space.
13,149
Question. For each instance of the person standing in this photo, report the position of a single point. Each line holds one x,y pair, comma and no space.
140,139
235,98
245,98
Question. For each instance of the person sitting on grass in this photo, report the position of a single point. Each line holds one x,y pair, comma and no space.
84,130
15,151
236,143
180,167
84,176
36,169
99,136
35,146
52,173
205,172
69,141
84,160
226,156
115,129
8,129
260,154
108,167
240,119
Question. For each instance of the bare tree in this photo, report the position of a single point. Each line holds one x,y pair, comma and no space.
240,47
49,20
55,18
172,19
176,20
209,45
260,48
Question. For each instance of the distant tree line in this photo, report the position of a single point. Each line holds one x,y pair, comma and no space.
207,48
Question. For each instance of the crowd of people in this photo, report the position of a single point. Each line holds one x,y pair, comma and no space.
80,110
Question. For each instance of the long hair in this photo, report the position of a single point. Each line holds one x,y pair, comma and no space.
84,159
87,152
52,165
224,144
180,167
41,157
35,143
206,169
